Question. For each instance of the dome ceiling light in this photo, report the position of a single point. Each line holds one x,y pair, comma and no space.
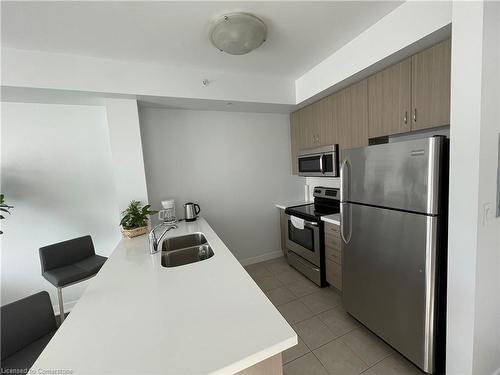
238,33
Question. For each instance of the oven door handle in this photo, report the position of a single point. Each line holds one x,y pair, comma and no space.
310,223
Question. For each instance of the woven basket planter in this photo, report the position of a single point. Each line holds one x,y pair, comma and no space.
129,233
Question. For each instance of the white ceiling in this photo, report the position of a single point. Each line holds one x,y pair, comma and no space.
300,34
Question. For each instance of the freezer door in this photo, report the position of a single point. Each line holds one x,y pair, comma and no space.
389,277
402,175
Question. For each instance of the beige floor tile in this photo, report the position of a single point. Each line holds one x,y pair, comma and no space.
258,271
368,372
295,311
367,346
339,321
268,283
322,300
290,276
303,287
395,365
305,365
280,296
295,352
314,332
339,359
277,266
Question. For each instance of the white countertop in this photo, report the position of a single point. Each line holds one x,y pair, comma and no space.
139,317
283,205
334,218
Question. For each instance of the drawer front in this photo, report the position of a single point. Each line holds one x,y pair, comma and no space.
333,253
332,241
334,274
332,229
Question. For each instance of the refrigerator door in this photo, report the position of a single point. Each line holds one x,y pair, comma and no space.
389,277
400,175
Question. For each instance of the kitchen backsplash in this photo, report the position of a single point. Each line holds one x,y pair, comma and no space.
311,182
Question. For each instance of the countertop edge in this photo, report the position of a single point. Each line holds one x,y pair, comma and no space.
285,204
256,358
333,219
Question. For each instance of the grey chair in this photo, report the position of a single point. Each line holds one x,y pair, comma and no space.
69,262
27,327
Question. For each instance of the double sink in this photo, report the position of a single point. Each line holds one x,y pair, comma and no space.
180,250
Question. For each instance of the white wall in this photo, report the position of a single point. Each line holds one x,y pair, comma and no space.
486,358
126,151
56,171
473,316
407,24
235,165
46,70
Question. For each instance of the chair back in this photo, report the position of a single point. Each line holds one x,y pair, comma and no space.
25,321
65,253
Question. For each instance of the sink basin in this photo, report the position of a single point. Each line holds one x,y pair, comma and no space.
191,248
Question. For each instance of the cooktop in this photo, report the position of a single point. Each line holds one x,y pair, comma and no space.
312,211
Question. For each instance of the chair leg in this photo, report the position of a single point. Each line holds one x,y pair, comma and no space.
61,306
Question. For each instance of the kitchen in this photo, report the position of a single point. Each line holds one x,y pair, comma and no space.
256,150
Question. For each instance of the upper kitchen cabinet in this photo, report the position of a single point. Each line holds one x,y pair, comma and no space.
309,125
389,102
411,95
295,140
351,107
328,132
431,76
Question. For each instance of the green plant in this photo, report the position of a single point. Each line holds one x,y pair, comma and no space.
136,216
4,207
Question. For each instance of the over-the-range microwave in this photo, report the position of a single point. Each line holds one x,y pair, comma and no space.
319,162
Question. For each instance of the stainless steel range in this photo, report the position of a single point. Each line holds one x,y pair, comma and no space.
305,238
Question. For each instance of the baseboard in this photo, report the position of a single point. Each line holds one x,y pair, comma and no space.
67,307
261,258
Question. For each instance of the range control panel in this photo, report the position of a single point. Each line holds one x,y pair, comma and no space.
326,192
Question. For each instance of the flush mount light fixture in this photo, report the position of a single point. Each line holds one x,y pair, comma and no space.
238,33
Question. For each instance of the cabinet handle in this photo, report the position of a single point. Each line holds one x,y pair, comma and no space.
415,115
405,118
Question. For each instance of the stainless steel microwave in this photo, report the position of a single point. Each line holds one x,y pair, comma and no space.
319,162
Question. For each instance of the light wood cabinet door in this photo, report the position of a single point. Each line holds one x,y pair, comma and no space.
341,119
431,77
333,255
310,119
327,128
352,115
389,104
294,140
306,127
358,113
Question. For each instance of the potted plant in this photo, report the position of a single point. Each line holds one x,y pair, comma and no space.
4,207
135,219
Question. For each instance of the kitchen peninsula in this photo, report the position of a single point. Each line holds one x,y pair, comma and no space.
137,316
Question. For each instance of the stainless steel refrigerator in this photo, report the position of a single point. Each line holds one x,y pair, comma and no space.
393,229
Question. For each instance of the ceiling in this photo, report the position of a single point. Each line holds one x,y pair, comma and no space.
300,34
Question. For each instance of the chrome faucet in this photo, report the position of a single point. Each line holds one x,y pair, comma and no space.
153,242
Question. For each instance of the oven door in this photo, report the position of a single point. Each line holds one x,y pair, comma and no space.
305,242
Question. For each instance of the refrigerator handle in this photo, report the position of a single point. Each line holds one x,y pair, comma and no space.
345,221
344,181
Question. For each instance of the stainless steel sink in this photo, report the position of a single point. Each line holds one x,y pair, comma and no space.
191,248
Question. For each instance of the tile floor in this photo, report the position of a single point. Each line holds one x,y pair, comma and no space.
330,341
